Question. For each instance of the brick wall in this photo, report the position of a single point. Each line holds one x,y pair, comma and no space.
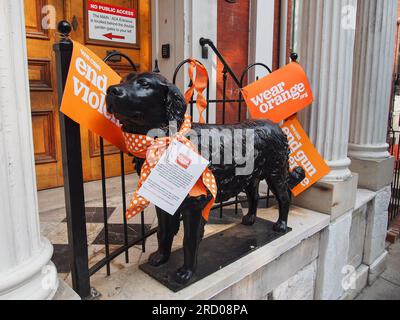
233,41
398,40
277,27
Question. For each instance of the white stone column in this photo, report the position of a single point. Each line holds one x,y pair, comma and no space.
325,36
373,72
25,268
325,44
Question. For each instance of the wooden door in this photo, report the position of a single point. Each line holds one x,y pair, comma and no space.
43,84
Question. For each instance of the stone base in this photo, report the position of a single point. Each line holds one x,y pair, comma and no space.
65,292
373,174
282,274
357,236
333,198
333,258
357,282
254,276
377,268
299,287
216,252
377,221
35,279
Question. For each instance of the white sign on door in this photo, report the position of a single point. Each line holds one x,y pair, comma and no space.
111,23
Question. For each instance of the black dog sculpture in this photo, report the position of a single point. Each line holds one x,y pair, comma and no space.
143,102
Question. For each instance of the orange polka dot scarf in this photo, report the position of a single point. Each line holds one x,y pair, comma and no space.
144,147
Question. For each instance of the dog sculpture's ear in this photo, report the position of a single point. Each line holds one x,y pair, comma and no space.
175,105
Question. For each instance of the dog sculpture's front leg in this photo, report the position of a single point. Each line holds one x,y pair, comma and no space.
194,229
168,227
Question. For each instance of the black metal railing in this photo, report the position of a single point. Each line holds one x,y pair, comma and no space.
73,173
394,207
393,139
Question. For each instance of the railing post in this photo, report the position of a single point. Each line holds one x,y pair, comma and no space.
207,42
72,171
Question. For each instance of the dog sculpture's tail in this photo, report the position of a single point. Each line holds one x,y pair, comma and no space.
295,177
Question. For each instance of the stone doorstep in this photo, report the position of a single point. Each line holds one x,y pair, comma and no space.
363,197
373,174
53,199
132,283
332,198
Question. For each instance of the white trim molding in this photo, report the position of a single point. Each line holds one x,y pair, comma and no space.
182,23
261,40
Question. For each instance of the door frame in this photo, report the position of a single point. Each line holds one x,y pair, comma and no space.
186,30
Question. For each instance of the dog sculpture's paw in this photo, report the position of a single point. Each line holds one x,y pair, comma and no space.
156,259
280,226
249,220
183,275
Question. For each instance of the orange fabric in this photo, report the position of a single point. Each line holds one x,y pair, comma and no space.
152,150
279,95
199,84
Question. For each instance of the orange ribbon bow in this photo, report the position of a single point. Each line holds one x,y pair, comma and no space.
199,85
151,149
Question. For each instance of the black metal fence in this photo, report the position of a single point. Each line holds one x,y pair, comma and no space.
394,142
394,207
73,173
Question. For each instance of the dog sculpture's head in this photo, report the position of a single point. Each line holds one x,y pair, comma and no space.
145,101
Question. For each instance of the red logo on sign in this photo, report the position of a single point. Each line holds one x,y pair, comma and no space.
183,161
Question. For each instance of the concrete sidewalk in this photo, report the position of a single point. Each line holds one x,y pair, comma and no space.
387,286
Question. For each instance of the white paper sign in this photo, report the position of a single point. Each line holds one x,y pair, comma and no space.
111,23
171,180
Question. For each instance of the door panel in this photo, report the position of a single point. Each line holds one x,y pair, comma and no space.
42,79
33,19
42,82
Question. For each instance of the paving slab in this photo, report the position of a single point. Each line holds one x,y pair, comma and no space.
387,286
381,290
392,272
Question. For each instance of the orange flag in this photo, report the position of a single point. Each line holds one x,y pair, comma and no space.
303,154
84,99
279,95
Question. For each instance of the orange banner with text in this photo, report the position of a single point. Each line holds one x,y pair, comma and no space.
84,99
279,95
303,154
